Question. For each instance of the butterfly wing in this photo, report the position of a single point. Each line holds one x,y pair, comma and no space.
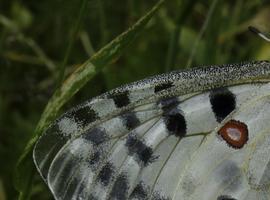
135,141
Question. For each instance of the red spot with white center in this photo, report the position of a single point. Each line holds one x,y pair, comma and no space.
235,133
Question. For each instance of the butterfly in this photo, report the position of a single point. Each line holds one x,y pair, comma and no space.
201,133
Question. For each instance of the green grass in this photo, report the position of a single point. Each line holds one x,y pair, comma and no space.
95,45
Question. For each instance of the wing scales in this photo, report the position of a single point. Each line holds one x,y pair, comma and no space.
119,153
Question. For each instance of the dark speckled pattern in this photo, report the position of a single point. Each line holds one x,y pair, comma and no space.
85,123
223,102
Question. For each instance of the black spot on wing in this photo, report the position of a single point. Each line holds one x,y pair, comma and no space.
163,86
158,196
174,119
120,99
139,192
176,124
223,102
94,158
96,136
92,197
225,197
85,115
168,104
136,147
130,120
106,174
120,188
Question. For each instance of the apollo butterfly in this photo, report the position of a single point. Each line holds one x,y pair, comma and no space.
195,134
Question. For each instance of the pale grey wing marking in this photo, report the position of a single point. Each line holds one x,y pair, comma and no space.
260,155
102,106
195,110
254,194
121,125
166,182
173,142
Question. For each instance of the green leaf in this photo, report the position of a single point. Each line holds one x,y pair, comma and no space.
25,168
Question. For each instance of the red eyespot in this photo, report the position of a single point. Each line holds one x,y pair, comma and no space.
235,133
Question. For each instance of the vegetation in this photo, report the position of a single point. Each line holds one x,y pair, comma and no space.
97,45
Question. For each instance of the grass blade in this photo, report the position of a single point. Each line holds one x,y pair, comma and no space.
25,168
70,45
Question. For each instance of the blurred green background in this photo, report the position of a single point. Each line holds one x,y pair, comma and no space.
34,37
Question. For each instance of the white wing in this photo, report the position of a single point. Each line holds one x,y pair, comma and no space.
136,142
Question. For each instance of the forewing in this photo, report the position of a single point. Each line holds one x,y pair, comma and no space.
135,141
